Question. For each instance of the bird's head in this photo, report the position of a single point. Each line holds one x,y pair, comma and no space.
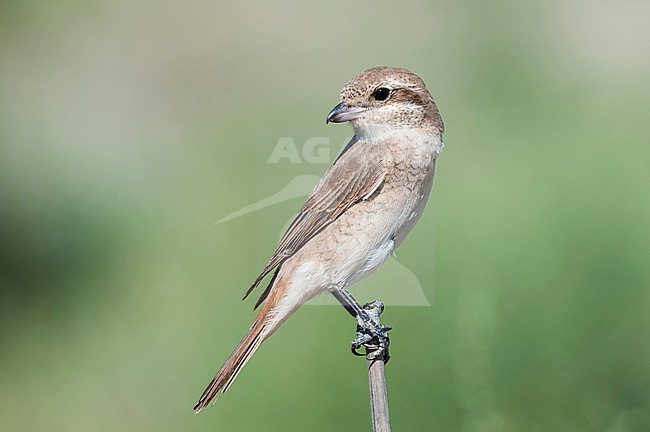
386,98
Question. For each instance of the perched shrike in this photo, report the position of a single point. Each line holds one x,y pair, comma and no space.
362,208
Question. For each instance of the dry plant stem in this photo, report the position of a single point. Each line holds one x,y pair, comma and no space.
377,385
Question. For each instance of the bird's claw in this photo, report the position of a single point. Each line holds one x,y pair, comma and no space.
372,336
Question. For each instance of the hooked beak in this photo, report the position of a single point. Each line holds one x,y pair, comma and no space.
343,113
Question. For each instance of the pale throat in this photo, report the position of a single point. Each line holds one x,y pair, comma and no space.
416,136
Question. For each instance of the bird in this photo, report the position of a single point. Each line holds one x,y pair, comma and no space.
359,212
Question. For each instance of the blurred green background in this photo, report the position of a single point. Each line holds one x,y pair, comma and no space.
128,128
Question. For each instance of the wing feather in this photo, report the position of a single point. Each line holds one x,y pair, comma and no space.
355,176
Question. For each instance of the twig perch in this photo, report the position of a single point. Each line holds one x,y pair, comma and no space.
377,378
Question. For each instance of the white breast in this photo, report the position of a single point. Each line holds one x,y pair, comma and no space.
376,257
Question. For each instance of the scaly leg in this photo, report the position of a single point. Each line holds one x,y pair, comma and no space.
369,334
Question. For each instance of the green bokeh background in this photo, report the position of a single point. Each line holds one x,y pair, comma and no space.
128,128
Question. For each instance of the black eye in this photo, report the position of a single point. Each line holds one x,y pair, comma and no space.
381,93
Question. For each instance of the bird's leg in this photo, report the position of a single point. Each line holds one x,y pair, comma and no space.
369,334
375,337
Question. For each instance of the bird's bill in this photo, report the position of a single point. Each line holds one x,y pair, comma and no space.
343,113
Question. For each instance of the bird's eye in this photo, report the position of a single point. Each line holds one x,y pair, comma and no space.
381,93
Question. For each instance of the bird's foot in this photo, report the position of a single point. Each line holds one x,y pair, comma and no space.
373,336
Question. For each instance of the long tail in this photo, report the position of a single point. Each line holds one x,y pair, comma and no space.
262,327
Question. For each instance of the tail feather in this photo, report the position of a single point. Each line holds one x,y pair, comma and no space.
231,368
269,318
